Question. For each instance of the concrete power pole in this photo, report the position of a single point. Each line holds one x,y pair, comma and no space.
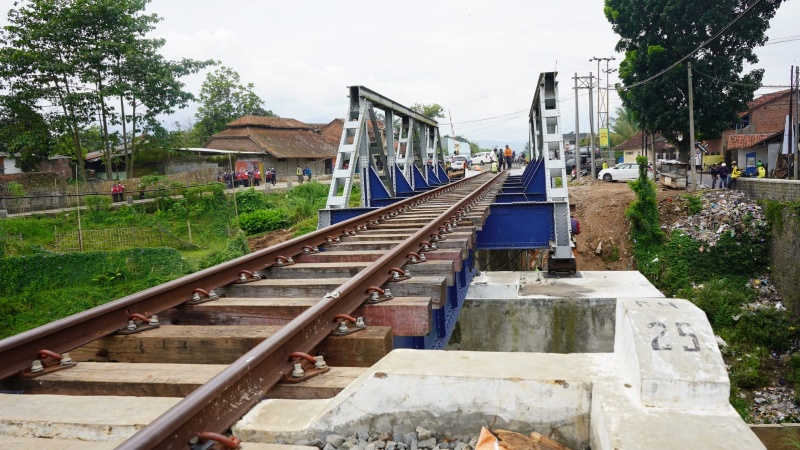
692,184
591,123
577,128
602,100
582,83
796,124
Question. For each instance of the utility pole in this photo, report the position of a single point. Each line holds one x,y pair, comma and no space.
591,124
582,83
692,184
602,101
577,127
796,124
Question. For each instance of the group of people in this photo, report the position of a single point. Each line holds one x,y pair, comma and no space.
246,178
727,177
503,159
303,173
118,192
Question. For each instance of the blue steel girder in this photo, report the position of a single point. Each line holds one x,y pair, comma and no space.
523,225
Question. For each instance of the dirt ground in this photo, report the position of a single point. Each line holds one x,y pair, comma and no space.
600,207
269,239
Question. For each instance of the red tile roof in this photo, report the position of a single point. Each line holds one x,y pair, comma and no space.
766,98
270,122
281,143
736,141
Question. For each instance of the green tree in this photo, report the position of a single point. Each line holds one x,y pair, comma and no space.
654,34
433,111
23,133
224,98
624,125
81,56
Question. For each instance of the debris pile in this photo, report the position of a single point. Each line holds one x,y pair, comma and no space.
774,405
767,295
723,212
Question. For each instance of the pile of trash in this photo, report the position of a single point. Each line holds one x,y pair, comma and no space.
774,405
723,211
767,295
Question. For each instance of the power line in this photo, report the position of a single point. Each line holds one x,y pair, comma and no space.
739,83
784,39
699,47
490,118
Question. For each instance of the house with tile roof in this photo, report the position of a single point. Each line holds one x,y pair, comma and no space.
636,144
759,135
282,143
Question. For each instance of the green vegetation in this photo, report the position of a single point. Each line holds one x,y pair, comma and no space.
716,279
650,46
37,289
38,285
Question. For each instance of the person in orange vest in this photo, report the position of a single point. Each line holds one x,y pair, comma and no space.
509,154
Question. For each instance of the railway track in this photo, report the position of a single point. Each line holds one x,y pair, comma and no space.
207,347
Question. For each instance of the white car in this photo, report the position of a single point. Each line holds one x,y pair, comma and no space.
624,171
482,158
459,162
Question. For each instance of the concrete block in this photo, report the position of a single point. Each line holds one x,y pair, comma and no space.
494,285
619,423
92,418
668,353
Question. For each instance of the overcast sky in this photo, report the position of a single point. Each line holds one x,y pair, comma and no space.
479,59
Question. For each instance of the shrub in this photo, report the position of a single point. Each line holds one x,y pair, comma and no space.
264,220
249,200
694,203
771,328
643,212
746,371
721,300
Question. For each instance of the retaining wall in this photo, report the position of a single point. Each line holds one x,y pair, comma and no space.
785,245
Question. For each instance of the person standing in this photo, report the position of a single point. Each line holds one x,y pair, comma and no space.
114,192
723,176
509,154
274,176
308,173
299,173
762,172
714,171
735,174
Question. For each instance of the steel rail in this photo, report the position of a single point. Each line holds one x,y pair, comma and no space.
217,404
18,351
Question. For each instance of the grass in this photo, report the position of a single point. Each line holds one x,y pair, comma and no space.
38,285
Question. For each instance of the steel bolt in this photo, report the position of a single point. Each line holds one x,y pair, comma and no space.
343,327
386,293
320,363
66,360
374,296
298,371
154,320
36,366
360,323
131,325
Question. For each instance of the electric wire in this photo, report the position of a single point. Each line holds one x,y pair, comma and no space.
739,83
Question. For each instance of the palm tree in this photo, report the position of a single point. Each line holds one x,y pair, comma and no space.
625,124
